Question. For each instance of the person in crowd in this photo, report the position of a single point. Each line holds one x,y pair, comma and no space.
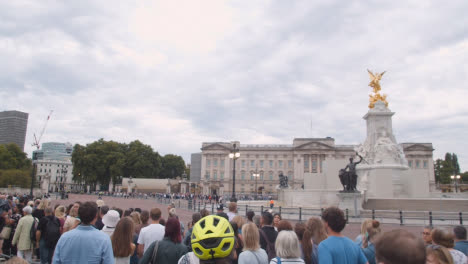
284,225
118,211
238,244
127,213
60,214
250,215
276,219
170,249
173,213
47,235
188,237
267,234
315,225
232,210
461,244
399,247
204,212
256,220
305,233
287,248
207,238
135,216
219,208
368,241
72,220
154,231
16,215
4,218
426,235
252,253
122,241
22,236
110,221
240,221
39,211
103,209
336,248
364,225
84,244
444,237
436,254
162,221
144,217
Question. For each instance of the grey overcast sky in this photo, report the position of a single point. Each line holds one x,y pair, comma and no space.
174,74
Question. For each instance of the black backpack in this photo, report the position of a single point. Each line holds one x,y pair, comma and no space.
32,233
270,248
52,232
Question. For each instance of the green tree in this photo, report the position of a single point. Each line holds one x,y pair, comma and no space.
15,167
14,177
443,169
141,161
172,166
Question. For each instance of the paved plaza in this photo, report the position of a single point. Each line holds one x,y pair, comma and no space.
351,231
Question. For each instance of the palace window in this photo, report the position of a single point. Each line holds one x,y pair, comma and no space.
222,162
215,175
306,163
215,162
221,175
314,166
290,163
271,164
243,163
261,164
290,175
207,175
425,164
417,164
280,163
261,175
243,175
270,175
410,163
208,163
252,163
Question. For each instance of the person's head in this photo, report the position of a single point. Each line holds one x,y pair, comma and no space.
299,229
75,209
172,230
459,232
276,219
212,238
155,214
204,212
436,254
316,229
172,212
162,221
287,245
284,225
48,211
250,214
103,210
118,211
239,220
256,220
251,237
138,210
195,218
127,212
443,237
400,247
267,219
371,234
60,211
111,218
233,207
220,208
365,224
135,216
123,233
144,217
88,213
334,219
426,235
27,210
4,208
43,204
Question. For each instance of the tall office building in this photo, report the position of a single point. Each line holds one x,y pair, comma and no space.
13,125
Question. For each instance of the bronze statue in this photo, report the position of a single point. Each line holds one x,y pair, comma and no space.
283,181
348,176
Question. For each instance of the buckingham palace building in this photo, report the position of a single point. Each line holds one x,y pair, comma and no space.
258,167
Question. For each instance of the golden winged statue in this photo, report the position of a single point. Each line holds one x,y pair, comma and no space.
375,84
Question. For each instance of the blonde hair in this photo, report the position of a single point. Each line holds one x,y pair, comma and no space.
60,211
443,237
251,237
135,218
287,245
43,204
441,253
366,223
239,220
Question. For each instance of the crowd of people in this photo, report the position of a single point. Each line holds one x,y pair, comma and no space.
91,232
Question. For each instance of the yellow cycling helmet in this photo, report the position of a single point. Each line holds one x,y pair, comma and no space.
212,237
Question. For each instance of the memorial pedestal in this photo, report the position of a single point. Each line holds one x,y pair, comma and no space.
351,201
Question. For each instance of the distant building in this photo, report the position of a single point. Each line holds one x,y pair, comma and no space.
54,167
13,125
195,167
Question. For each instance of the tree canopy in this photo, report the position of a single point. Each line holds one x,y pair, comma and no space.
447,167
103,161
15,167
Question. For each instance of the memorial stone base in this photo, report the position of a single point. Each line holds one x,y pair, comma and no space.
351,201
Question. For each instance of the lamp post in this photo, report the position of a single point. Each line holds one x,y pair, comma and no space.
455,178
234,155
129,188
256,175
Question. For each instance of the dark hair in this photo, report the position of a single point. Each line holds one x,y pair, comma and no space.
162,221
204,212
122,237
284,225
335,219
172,230
87,212
48,210
144,216
299,229
127,212
459,232
138,210
267,218
400,247
443,237
250,214
195,217
223,214
104,209
69,208
155,214
372,231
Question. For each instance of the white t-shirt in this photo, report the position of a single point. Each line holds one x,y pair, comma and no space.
231,215
150,234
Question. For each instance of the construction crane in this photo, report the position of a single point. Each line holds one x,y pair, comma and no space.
37,140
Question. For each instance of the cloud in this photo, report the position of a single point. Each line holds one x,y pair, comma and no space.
175,74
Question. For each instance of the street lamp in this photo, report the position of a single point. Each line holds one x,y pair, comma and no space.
256,175
455,178
234,155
